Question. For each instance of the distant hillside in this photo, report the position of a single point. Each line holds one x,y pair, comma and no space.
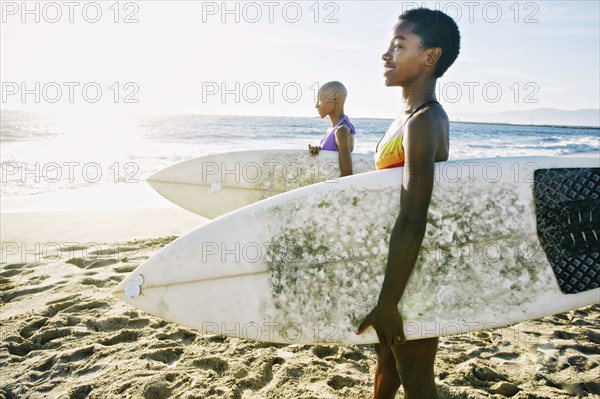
542,116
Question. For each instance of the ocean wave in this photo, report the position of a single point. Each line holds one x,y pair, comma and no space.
34,150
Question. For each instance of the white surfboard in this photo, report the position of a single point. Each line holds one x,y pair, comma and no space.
508,240
216,184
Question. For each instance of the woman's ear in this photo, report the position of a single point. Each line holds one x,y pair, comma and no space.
433,55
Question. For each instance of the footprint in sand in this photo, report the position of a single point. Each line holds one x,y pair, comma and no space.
6,284
19,266
80,392
581,363
338,382
20,349
581,389
505,356
167,355
13,272
215,364
587,349
17,293
181,335
86,263
135,260
58,305
115,323
100,283
484,373
592,336
32,326
77,354
50,334
70,359
86,304
352,353
127,268
560,334
261,372
45,364
156,389
219,338
322,352
458,358
122,337
39,336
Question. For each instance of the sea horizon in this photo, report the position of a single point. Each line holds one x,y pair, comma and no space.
165,114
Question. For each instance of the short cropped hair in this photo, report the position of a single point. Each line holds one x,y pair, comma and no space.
436,29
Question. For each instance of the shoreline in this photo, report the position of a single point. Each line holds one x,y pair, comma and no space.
22,232
584,127
102,196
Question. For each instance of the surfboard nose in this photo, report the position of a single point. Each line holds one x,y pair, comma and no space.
119,290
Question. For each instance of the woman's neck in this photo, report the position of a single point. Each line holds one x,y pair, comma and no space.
418,93
336,116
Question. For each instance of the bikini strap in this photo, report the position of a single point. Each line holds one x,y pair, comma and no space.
345,120
420,107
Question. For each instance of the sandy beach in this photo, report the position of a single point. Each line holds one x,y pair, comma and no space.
99,96
65,336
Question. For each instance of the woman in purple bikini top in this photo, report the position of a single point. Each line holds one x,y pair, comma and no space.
328,140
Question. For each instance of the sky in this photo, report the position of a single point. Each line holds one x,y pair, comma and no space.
268,58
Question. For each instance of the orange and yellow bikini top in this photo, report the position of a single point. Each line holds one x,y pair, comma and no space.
389,152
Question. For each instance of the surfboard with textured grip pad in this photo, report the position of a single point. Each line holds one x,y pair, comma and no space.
507,240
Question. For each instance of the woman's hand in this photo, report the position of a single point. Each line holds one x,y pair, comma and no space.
387,322
313,150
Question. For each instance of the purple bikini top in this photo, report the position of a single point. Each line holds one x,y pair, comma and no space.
328,140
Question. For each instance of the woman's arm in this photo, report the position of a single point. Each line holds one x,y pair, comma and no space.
342,139
420,145
410,225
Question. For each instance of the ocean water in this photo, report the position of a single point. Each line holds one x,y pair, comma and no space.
40,155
